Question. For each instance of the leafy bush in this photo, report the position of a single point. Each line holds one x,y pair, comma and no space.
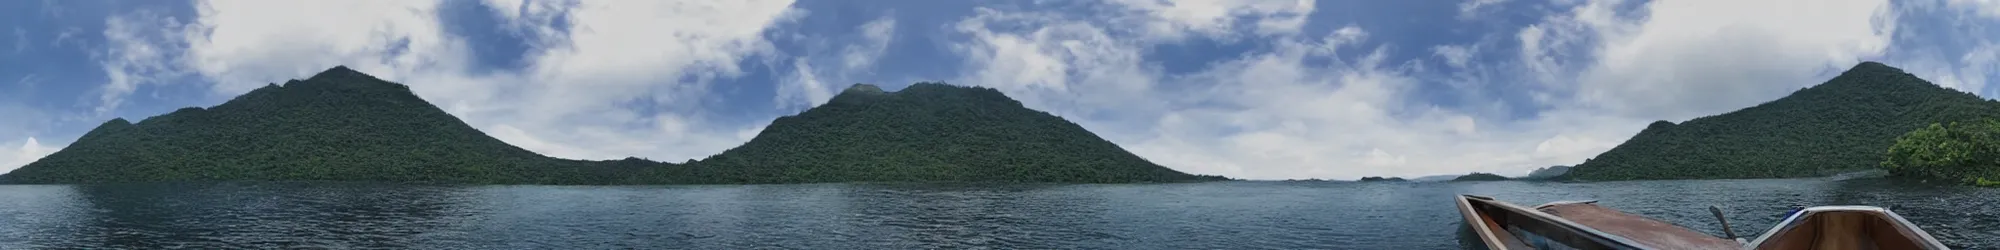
1965,152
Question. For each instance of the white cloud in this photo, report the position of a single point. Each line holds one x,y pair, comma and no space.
1968,72
64,35
1690,58
614,79
618,79
1050,67
1175,19
809,85
532,19
1597,71
1470,9
576,99
1959,51
1348,120
1989,8
1456,56
137,51
242,45
22,121
29,151
18,145
1263,115
875,36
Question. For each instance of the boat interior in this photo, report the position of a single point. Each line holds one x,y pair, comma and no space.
1839,228
1584,225
1500,225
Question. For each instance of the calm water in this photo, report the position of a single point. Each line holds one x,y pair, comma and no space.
1229,215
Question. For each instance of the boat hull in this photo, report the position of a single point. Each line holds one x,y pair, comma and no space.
1845,227
1493,224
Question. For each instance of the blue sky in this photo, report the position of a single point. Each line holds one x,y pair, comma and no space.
1242,88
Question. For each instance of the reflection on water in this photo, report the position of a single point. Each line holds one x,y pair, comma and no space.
263,215
1229,215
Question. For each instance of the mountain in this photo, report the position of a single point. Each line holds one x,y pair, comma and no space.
1843,125
343,125
1477,176
1435,178
1547,172
338,125
928,132
1379,178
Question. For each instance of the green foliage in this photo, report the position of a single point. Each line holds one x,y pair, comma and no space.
1965,152
929,132
1477,176
1546,173
1984,182
1839,126
338,125
343,125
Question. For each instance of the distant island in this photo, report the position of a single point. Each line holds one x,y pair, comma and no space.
1846,124
343,125
1436,178
1546,173
1379,178
1477,176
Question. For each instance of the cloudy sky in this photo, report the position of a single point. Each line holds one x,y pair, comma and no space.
1241,88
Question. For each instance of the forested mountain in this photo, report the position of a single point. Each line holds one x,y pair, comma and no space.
337,125
927,132
1477,176
1547,172
1844,124
1432,178
1379,178
342,125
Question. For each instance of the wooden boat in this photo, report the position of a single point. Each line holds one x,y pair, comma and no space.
1846,227
1575,225
1585,225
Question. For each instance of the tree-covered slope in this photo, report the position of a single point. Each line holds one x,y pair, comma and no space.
1547,172
336,125
1379,178
342,125
1477,176
928,132
1841,125
1966,152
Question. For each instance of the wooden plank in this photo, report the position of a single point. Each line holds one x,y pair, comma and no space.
1490,232
1641,230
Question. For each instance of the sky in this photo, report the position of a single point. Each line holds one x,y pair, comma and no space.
1250,89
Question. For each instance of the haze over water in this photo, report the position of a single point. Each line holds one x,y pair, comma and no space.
1218,215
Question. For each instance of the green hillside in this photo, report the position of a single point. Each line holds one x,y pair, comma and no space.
1966,152
1842,125
928,132
338,125
1477,176
342,125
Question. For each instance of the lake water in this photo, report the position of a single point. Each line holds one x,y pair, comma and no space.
1221,215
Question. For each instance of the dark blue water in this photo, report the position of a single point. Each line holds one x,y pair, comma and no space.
1224,215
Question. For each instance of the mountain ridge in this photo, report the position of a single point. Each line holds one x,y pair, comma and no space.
339,124
344,125
934,131
1840,125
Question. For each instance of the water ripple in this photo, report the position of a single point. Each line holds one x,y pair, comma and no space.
1229,215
